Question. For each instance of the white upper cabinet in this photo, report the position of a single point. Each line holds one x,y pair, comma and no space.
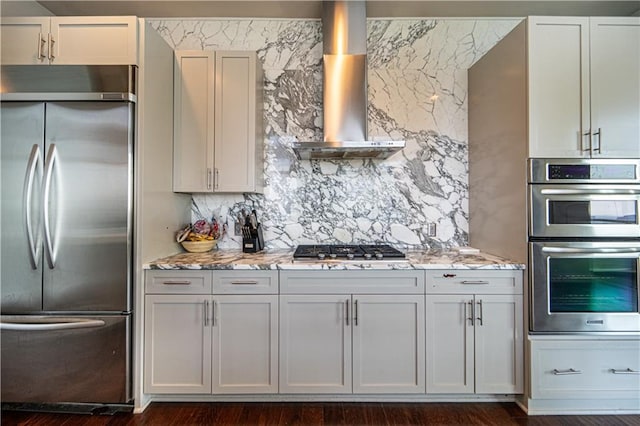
615,86
217,122
193,121
583,85
78,40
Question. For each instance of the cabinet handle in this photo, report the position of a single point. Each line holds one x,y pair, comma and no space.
448,275
471,311
566,372
599,133
625,371
214,317
346,305
176,282
582,148
472,282
51,42
206,313
209,176
217,179
355,313
244,282
480,312
41,43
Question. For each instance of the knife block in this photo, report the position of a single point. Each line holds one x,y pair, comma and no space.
255,243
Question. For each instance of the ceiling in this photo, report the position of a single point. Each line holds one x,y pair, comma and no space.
312,8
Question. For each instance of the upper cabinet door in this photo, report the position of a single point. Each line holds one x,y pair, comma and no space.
615,87
236,124
218,139
90,40
193,116
86,40
25,41
558,87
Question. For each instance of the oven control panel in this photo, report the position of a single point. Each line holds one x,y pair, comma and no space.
591,171
584,170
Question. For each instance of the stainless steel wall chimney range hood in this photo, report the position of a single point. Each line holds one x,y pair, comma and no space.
344,31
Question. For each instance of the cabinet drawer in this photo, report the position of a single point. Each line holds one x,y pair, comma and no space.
178,282
348,282
585,369
454,281
245,282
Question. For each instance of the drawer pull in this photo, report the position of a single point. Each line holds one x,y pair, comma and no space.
566,372
449,275
475,282
625,371
176,282
244,282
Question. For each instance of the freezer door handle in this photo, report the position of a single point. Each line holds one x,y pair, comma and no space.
49,324
32,166
50,163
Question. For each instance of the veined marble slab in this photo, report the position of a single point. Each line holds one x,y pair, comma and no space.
417,92
283,260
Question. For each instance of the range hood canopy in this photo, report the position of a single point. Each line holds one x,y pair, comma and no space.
344,31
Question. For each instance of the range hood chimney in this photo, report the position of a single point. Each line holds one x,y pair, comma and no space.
344,31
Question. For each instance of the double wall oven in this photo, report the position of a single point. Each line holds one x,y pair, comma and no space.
584,245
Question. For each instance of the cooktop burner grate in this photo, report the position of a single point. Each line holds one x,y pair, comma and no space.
348,252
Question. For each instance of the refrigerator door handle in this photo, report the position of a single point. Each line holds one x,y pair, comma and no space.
48,324
32,165
50,163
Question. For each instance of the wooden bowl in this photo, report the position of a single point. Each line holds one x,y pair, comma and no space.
198,246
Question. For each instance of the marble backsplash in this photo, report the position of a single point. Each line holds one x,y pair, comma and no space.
417,78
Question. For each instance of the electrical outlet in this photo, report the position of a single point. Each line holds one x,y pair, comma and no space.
431,229
237,228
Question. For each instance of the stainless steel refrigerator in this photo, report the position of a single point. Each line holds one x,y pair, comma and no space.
66,216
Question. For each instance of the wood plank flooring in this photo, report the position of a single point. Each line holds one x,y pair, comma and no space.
309,414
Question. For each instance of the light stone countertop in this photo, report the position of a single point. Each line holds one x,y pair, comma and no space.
283,260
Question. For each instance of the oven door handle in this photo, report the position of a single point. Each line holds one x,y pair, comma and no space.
621,191
629,250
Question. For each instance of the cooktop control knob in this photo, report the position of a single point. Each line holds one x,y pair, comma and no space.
367,255
333,255
379,256
350,256
321,256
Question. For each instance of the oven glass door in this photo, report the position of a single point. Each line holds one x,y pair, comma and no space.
585,286
568,211
601,284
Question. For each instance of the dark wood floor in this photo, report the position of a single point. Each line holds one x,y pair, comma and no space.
317,414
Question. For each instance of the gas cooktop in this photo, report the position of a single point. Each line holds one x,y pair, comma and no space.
347,252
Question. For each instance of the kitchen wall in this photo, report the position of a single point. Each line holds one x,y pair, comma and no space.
417,92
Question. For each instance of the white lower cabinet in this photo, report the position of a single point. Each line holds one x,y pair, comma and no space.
388,344
334,332
210,343
245,344
177,346
585,369
350,342
315,344
474,339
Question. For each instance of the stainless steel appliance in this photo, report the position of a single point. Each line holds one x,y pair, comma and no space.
583,286
341,252
344,61
67,194
584,245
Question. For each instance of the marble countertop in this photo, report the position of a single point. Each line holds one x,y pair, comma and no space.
283,260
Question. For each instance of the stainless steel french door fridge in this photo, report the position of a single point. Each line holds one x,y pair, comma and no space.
66,216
